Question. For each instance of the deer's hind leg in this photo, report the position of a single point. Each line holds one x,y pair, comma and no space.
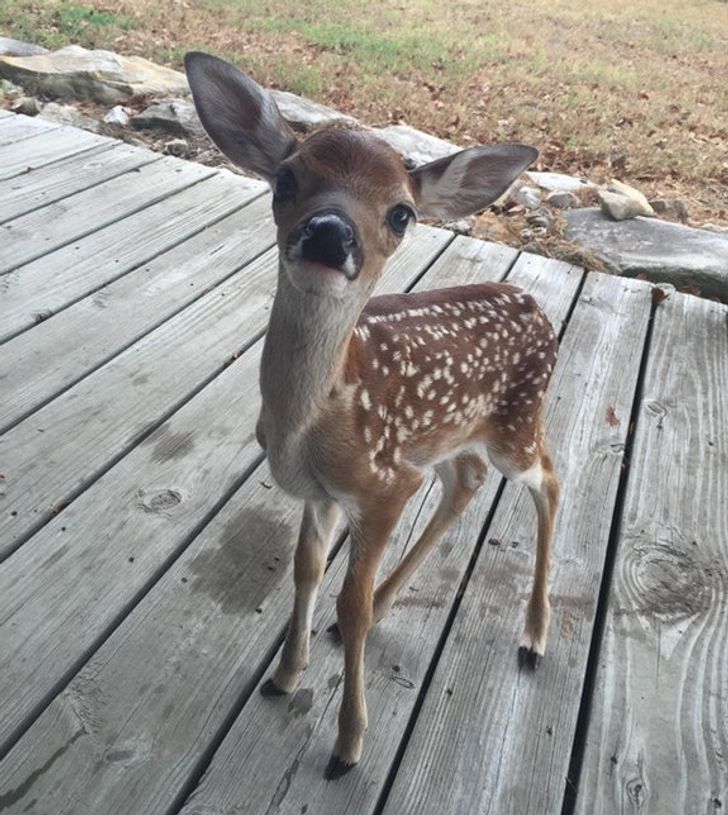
535,470
461,476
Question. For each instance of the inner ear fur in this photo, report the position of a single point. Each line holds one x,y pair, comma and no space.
470,180
239,116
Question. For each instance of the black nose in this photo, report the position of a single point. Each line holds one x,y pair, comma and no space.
328,238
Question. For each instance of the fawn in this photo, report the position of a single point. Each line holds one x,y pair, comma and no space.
360,396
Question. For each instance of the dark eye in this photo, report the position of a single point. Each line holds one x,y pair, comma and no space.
399,218
284,186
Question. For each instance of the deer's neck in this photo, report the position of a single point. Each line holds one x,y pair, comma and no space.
304,356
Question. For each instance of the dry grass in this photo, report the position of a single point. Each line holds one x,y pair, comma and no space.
632,89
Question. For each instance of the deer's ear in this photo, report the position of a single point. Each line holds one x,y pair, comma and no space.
468,181
240,117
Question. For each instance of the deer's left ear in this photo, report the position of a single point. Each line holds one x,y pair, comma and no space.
240,116
466,182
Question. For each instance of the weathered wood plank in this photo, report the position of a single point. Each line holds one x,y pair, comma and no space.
94,329
257,530
46,148
37,233
49,184
41,288
491,739
657,739
294,738
15,128
106,512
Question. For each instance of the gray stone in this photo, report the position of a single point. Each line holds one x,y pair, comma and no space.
118,115
558,182
562,200
463,226
540,218
670,206
415,145
16,48
528,197
177,147
661,251
27,105
67,115
177,117
104,76
621,205
9,90
304,114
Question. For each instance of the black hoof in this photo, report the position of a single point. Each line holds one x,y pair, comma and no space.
335,633
336,768
528,658
269,688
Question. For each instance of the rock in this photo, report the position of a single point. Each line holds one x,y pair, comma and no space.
177,147
670,206
561,199
118,115
634,195
16,48
464,226
418,147
620,201
104,76
658,250
9,90
304,114
177,117
67,115
540,218
528,197
28,105
558,182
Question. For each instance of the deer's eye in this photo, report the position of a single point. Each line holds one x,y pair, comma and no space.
284,186
399,218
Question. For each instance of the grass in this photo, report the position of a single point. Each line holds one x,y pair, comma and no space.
616,87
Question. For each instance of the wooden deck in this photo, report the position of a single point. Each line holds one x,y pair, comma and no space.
146,554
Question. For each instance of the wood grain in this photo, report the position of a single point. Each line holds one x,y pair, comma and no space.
43,230
15,128
93,330
657,739
46,148
488,738
35,291
46,185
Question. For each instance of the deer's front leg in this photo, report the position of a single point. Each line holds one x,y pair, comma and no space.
317,527
354,608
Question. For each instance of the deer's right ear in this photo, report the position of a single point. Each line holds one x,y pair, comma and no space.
239,116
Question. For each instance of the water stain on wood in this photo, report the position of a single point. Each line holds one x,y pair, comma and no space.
301,702
173,446
255,548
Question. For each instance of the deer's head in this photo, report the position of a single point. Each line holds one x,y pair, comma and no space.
342,198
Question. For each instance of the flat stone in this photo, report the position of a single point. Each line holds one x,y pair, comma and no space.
558,182
118,115
27,105
304,114
562,200
176,117
660,251
17,48
526,196
420,148
67,115
103,76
